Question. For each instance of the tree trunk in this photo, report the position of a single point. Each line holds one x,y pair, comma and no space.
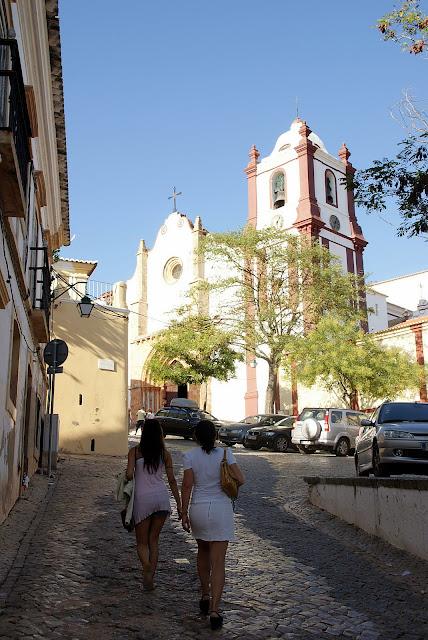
271,389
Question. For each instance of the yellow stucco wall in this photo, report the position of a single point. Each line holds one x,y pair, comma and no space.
102,416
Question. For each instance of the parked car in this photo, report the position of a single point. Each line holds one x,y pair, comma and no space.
181,421
235,433
393,440
276,436
327,429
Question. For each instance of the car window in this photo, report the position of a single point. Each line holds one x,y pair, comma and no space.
180,414
374,415
353,419
251,420
163,413
316,414
208,416
335,418
267,421
403,412
286,422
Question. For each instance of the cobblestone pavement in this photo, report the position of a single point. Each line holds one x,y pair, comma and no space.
68,570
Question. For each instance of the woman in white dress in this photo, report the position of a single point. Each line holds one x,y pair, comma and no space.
211,514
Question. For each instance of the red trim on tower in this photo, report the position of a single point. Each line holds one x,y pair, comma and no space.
308,220
419,345
350,260
251,172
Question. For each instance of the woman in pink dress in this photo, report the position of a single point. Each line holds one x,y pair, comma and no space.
151,499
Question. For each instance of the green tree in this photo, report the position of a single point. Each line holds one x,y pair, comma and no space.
353,365
192,350
270,288
405,177
407,25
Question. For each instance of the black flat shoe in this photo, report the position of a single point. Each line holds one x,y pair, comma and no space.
204,605
217,622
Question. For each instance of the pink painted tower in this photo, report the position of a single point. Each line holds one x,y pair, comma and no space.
298,188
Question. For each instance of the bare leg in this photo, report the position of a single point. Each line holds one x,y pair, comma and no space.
142,537
156,524
218,560
204,565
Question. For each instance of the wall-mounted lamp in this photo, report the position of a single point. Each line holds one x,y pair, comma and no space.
85,307
253,363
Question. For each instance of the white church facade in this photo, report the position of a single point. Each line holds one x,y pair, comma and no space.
298,188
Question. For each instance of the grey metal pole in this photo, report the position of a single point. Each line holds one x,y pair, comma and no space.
52,391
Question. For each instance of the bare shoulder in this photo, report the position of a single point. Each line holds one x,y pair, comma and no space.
168,457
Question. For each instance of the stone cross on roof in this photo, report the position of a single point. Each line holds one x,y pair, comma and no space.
173,197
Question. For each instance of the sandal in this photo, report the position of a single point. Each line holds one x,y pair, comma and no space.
204,605
216,622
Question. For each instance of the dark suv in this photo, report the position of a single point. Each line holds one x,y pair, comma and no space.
181,421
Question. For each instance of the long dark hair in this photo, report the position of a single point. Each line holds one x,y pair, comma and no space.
205,433
152,445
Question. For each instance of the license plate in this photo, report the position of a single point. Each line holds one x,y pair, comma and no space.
306,442
251,437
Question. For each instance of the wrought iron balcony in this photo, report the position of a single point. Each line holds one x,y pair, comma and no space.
15,132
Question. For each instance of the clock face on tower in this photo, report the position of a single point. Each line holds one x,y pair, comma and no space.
278,221
334,223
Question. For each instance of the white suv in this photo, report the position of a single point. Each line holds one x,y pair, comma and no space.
332,430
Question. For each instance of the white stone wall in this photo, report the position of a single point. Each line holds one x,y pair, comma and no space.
405,291
378,319
394,510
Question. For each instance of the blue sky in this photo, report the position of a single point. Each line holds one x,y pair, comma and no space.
170,94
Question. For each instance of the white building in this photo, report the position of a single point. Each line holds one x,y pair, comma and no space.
297,188
34,221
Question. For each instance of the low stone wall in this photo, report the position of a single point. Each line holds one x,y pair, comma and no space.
395,509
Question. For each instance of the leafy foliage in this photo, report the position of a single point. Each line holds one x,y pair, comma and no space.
405,178
193,349
353,365
272,289
407,26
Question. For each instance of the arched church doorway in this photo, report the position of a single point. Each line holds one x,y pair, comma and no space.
182,391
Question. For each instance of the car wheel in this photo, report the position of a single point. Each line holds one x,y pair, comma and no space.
281,444
379,470
307,450
343,447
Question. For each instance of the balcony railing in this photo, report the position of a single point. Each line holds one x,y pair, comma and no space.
100,291
13,106
41,285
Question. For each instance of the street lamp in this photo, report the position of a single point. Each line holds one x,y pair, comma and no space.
85,307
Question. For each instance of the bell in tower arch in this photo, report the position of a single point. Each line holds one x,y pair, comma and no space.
278,191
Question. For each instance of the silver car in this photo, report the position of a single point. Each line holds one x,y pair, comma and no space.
328,429
394,440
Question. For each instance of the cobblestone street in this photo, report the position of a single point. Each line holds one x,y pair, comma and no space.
69,570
